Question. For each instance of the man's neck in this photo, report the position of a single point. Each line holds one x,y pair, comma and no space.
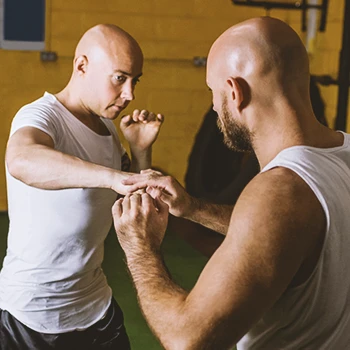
90,120
268,145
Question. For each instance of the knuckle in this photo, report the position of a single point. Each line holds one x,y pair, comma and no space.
169,179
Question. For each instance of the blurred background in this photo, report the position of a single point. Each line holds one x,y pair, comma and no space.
37,42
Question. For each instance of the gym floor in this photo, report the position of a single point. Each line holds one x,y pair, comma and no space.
184,263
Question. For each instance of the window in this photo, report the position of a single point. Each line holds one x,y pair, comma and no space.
22,25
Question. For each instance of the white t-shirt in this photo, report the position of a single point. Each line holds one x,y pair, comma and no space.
51,278
316,314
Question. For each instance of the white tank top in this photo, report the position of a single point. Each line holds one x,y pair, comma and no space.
52,280
316,314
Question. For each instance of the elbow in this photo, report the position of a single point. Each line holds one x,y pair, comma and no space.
180,343
15,167
184,340
12,165
200,338
195,343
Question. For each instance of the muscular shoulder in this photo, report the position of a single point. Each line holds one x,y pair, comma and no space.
278,212
281,190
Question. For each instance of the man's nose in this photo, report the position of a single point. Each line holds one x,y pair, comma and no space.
128,92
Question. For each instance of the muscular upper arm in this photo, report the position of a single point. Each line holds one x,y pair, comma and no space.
275,225
28,136
23,141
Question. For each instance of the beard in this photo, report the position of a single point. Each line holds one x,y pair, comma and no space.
237,137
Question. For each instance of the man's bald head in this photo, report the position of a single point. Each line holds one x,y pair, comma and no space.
107,65
257,71
106,40
261,48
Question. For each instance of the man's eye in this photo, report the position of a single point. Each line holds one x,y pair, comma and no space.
119,78
135,81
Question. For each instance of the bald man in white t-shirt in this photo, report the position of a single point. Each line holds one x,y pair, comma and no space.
64,166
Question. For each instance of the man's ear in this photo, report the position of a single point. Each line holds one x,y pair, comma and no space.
80,64
240,92
236,92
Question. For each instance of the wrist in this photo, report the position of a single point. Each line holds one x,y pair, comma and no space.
138,255
192,207
140,152
115,178
106,178
144,268
141,159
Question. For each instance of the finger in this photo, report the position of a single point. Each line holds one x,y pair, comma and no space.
126,203
150,118
148,202
126,120
162,206
166,198
117,209
135,115
143,115
160,117
140,191
134,186
136,182
153,191
135,202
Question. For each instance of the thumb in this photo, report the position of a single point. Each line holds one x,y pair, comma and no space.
154,191
117,209
125,120
161,205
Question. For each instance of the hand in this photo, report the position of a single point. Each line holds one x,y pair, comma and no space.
163,187
141,129
140,223
117,182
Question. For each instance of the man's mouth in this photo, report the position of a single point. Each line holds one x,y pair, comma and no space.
118,107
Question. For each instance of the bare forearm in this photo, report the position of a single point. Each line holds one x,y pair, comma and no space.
46,168
213,216
177,322
160,299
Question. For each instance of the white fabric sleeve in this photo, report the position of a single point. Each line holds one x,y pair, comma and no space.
40,117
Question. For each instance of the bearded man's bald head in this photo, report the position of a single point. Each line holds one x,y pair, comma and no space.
255,69
261,47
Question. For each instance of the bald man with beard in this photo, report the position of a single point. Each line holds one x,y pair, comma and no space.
64,167
280,279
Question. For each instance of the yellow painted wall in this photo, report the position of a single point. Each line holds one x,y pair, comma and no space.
171,33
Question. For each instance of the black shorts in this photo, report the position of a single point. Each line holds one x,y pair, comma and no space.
107,333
